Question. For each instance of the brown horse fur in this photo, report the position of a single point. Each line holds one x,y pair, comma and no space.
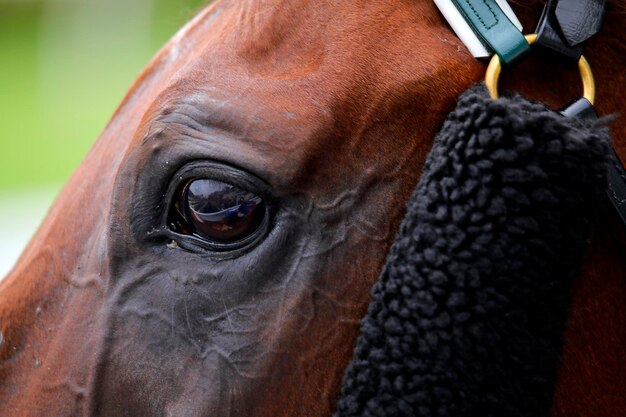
334,105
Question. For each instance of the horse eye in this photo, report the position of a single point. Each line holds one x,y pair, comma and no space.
216,212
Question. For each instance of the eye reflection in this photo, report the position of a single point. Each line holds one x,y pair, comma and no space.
217,211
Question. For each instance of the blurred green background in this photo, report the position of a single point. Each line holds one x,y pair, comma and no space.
64,67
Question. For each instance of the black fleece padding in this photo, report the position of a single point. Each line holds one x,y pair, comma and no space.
469,313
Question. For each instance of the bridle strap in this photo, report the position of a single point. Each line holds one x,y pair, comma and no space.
563,28
494,28
565,25
550,37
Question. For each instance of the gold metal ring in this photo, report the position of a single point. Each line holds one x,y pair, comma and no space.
495,68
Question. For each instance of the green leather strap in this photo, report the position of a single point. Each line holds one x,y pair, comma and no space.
494,28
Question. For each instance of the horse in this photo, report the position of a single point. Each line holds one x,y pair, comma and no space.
315,117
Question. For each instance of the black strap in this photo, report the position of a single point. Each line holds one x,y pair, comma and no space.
617,185
566,24
580,19
616,177
549,35
563,27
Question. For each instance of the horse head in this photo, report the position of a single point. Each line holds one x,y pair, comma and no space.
215,251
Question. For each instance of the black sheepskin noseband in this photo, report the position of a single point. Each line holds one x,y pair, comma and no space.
468,316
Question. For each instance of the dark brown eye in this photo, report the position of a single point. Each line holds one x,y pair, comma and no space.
217,212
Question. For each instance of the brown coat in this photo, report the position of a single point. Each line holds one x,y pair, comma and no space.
334,106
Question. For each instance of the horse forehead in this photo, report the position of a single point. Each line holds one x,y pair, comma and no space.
298,87
312,54
317,126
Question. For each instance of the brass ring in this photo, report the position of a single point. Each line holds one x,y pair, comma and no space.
495,68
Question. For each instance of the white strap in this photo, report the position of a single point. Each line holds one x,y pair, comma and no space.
464,31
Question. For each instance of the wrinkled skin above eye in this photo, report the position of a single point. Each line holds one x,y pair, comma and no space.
217,211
